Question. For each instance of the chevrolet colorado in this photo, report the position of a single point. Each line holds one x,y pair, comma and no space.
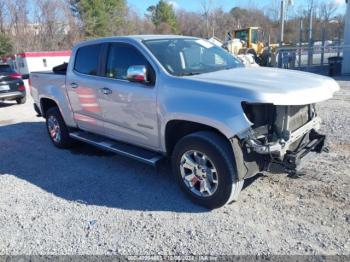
150,97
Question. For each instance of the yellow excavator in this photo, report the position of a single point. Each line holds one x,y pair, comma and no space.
249,41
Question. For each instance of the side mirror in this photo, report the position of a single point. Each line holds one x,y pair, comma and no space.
137,73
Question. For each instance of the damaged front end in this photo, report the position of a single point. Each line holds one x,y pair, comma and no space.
280,137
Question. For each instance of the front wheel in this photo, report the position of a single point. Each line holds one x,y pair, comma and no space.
204,168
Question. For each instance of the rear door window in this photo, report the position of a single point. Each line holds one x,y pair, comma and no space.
87,59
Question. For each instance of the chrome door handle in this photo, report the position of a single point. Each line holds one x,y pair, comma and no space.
74,85
106,91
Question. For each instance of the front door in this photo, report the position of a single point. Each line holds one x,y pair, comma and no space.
129,108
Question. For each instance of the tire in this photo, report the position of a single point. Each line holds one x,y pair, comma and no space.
57,129
21,100
265,58
255,55
219,156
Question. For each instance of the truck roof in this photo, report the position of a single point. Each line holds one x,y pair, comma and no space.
135,37
151,37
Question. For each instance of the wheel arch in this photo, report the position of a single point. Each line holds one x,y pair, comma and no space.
176,129
48,101
227,127
46,104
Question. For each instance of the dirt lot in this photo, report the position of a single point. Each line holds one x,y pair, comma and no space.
86,201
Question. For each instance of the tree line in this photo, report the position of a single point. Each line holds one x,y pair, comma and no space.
48,25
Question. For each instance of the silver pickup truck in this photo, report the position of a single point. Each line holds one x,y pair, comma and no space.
182,98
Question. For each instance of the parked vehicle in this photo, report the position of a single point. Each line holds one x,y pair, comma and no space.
11,85
150,97
27,62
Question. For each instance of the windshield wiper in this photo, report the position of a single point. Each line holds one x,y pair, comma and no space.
190,74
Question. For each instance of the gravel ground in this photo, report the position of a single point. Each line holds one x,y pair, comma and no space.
86,201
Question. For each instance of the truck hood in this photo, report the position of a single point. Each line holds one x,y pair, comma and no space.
272,85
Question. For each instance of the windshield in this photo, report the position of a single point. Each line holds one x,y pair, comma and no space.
242,35
182,57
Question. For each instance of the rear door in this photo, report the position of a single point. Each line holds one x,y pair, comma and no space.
82,84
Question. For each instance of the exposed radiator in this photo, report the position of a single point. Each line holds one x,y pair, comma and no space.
290,118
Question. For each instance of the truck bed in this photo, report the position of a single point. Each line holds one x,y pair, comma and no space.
48,73
45,82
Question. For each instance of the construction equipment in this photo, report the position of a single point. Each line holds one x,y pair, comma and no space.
249,41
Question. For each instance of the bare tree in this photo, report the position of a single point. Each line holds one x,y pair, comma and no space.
3,11
19,24
206,13
191,23
327,10
52,25
273,9
223,23
74,28
138,25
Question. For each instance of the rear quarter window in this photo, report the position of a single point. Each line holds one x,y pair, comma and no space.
87,59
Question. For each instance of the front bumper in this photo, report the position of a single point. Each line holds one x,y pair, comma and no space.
281,156
280,147
294,160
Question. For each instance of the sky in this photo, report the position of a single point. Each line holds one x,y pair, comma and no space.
140,6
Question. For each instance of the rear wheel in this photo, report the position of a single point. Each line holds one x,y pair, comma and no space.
21,100
203,166
57,129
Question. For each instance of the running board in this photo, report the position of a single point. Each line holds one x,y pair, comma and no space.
140,154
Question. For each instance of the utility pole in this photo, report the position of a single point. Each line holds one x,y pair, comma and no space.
282,23
323,44
300,41
311,11
281,40
282,18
